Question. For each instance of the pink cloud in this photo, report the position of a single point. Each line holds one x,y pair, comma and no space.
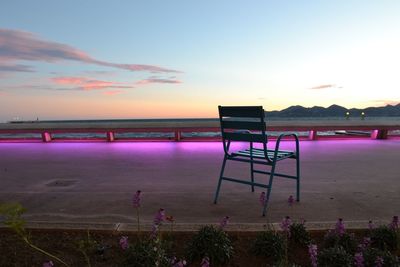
385,102
87,84
324,86
20,45
157,80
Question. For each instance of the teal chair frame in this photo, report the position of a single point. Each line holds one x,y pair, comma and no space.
247,124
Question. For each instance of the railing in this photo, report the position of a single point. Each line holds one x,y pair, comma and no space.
178,128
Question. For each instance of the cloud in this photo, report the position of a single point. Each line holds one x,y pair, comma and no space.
100,72
87,84
385,102
111,93
15,68
18,45
27,86
157,80
325,86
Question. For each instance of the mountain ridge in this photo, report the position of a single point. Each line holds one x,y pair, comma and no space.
336,111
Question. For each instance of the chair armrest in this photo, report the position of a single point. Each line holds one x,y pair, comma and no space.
278,142
288,134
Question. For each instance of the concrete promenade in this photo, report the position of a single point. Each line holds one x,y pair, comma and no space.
93,183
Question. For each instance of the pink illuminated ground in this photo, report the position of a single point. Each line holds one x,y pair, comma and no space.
354,179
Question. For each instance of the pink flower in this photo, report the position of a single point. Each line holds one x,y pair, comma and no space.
136,199
176,263
154,231
394,225
224,222
205,262
379,261
170,218
339,228
371,225
262,198
290,200
313,252
359,260
285,225
365,243
123,243
160,217
48,264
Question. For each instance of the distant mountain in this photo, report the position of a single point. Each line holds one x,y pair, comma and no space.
336,111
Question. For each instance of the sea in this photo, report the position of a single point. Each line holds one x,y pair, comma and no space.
156,135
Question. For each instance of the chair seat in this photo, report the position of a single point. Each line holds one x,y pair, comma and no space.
259,154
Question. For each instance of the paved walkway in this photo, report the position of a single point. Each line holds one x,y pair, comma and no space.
93,183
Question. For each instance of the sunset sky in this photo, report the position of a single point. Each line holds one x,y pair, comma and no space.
164,59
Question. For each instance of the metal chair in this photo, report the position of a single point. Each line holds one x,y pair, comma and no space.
246,124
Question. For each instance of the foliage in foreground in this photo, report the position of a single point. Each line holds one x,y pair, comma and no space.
372,254
270,244
211,242
346,241
335,257
384,238
212,246
12,213
299,234
145,253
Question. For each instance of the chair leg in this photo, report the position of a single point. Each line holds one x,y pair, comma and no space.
251,167
252,175
271,178
220,180
298,178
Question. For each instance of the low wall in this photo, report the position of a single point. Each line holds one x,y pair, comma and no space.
372,129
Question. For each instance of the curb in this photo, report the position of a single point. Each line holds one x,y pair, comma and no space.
187,227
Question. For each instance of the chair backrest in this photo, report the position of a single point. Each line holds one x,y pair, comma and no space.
242,123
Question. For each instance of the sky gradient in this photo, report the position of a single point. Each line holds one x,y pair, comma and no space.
171,59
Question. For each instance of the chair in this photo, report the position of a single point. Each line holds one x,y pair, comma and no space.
246,124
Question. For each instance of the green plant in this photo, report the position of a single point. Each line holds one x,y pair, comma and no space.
136,201
211,242
371,254
145,253
299,234
346,241
334,257
384,238
270,244
12,213
87,246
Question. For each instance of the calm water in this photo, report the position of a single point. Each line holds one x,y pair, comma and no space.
355,119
